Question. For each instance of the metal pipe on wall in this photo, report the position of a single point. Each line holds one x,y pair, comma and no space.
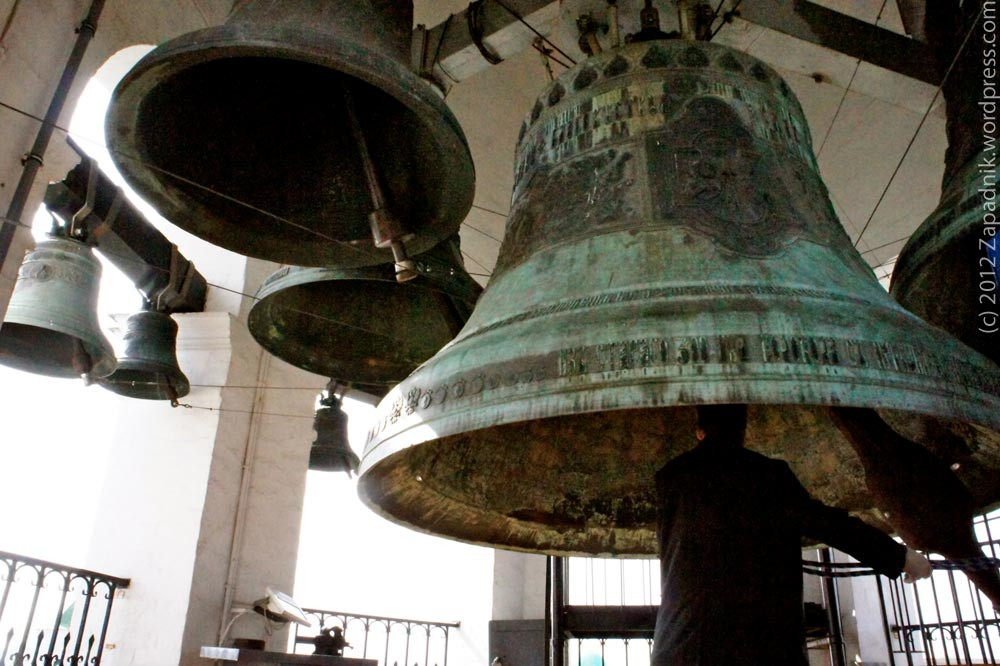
33,161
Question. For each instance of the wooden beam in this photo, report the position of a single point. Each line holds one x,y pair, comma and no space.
845,34
506,36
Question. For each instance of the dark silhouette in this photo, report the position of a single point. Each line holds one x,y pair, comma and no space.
330,645
730,531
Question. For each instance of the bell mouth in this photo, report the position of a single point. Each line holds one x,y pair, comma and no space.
52,353
583,484
146,381
179,121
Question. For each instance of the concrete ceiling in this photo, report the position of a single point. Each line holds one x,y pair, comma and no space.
862,118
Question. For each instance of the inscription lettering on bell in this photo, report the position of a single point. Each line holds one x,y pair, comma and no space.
670,244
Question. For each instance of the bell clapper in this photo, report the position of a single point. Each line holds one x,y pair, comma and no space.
82,362
386,228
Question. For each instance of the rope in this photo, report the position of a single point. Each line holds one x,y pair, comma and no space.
852,570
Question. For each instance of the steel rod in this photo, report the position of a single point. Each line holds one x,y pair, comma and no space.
33,161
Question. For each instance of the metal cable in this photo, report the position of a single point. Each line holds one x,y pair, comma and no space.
840,105
532,29
923,119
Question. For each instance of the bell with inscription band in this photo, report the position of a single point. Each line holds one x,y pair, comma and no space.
949,270
358,324
51,323
670,244
148,370
273,134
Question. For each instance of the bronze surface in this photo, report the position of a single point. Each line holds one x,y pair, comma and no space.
359,325
670,244
148,370
51,323
238,133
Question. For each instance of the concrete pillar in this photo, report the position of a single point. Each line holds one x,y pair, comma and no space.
518,586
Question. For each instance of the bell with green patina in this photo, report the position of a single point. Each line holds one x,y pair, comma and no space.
51,326
242,134
949,270
359,325
670,244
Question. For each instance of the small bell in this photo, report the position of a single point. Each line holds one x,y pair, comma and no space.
149,368
51,323
331,452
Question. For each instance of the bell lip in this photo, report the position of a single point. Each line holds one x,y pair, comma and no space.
243,40
151,389
525,408
100,352
461,287
484,527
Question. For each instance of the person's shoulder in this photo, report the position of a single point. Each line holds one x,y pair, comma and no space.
678,463
775,465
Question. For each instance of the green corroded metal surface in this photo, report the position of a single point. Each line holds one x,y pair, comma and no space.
51,323
239,133
670,244
948,271
148,370
359,325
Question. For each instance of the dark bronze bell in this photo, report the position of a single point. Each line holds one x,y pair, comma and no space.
670,244
51,323
331,452
949,270
149,368
358,324
242,134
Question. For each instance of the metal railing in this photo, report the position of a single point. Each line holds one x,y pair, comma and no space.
53,615
393,641
943,620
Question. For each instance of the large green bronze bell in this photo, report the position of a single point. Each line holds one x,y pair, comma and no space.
148,369
358,324
51,323
670,244
243,134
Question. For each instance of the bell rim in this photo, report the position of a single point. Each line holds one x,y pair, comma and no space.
290,277
153,372
401,83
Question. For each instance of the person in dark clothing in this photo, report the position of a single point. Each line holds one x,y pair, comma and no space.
730,530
